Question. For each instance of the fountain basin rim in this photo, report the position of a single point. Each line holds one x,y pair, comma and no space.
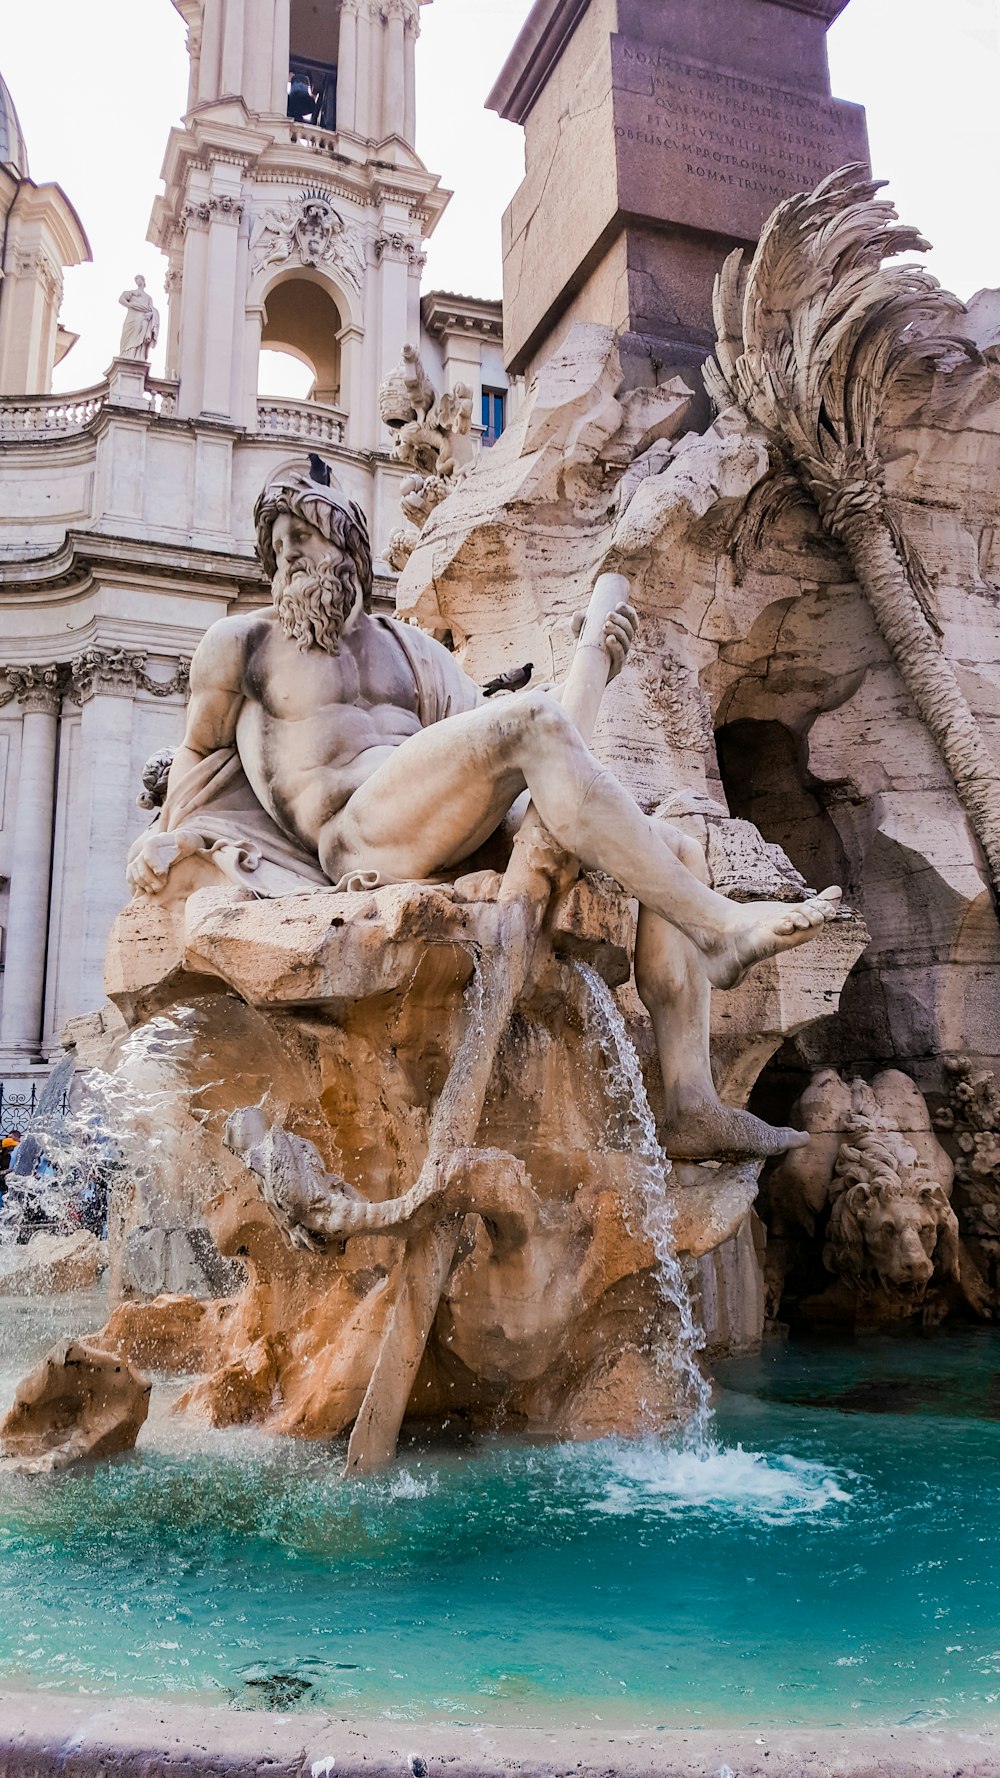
43,1732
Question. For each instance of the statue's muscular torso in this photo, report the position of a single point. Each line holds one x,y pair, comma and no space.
310,726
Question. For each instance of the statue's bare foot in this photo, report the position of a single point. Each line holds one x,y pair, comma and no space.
761,929
712,1131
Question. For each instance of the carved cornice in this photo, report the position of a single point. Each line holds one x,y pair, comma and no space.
36,688
445,312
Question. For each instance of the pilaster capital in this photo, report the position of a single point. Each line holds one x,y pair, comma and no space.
392,244
118,673
106,672
33,263
37,688
194,216
225,208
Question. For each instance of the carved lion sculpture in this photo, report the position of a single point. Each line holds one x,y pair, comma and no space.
876,1182
893,1226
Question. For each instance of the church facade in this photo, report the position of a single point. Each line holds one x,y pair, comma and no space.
294,218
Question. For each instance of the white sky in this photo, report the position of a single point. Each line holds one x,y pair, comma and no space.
97,91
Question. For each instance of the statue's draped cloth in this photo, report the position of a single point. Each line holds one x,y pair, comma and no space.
216,801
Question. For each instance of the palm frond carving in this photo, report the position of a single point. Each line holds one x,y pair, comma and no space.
813,336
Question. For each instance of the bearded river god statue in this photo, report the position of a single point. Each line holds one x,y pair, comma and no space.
351,944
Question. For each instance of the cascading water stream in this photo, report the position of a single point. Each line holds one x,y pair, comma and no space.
652,1174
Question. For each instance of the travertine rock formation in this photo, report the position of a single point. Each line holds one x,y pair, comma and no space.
78,1403
760,678
969,1123
49,1264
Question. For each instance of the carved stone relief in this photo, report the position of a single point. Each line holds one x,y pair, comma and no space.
310,230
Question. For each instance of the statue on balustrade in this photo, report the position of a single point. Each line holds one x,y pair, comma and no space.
141,327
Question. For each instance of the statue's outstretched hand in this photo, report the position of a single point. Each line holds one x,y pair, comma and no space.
148,870
620,629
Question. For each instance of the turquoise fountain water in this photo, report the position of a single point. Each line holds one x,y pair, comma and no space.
831,1558
824,1550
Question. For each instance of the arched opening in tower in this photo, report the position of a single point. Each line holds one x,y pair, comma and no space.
301,324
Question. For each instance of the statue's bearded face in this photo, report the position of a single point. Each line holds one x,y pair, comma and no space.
315,587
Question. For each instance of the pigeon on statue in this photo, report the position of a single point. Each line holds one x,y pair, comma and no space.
515,680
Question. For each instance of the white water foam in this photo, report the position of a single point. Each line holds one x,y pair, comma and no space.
652,1175
734,1483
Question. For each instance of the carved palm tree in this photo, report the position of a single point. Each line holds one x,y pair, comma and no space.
811,342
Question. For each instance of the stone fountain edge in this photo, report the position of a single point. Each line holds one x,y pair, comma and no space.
42,1733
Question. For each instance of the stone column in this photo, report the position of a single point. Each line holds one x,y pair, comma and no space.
258,47
104,685
394,84
39,692
371,70
210,59
225,213
280,54
190,340
232,47
347,66
410,83
351,342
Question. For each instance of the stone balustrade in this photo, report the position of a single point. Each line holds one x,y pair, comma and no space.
42,416
306,135
163,396
30,417
301,420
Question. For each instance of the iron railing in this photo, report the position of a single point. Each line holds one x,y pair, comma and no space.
18,1108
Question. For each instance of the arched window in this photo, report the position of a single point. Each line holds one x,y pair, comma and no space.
301,323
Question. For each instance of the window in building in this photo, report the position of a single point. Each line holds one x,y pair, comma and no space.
494,417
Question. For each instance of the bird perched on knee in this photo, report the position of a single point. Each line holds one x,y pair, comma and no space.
515,680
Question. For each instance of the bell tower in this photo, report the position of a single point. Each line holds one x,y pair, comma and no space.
296,206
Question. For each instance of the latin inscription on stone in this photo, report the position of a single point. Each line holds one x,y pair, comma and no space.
712,149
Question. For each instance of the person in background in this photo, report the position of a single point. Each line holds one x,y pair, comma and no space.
301,98
7,1147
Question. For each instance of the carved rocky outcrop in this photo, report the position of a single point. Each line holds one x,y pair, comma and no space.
78,1404
50,1264
969,1125
813,337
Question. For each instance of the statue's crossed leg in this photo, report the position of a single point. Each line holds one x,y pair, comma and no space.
445,790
